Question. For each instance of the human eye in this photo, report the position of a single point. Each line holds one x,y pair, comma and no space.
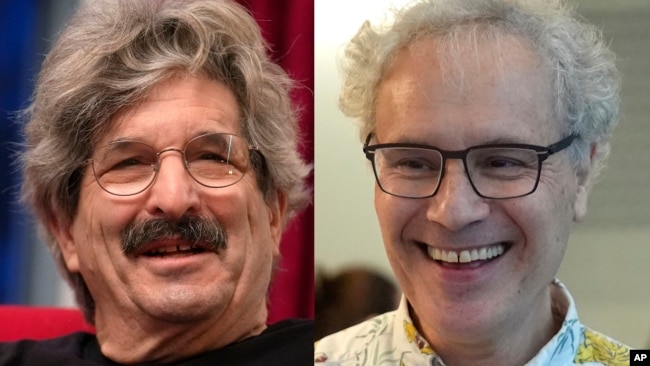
504,162
126,169
208,156
213,163
130,162
212,150
414,164
410,163
124,156
211,156
124,163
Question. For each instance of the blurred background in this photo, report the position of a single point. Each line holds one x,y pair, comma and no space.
351,295
27,274
607,263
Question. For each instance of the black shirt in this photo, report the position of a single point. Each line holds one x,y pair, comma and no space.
289,342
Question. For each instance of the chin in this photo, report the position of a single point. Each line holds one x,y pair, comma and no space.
184,305
458,318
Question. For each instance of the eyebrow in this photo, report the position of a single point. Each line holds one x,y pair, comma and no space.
140,139
504,140
496,140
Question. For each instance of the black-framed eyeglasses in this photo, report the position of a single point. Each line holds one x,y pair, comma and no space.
497,171
127,167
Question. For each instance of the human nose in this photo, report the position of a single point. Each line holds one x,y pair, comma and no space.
173,192
456,204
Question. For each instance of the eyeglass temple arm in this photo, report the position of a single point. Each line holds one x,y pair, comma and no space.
366,152
552,149
563,144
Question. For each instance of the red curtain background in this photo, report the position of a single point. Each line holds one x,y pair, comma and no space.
288,27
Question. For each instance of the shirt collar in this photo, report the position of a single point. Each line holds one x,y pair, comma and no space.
561,347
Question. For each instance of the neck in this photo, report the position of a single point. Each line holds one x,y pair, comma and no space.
513,342
142,338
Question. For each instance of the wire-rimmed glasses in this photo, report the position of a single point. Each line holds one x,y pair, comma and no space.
127,167
497,171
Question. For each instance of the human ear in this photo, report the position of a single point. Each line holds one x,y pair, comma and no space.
583,176
277,217
62,232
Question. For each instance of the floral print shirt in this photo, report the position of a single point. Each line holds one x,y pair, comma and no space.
391,339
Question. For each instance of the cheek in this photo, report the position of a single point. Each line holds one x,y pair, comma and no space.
97,229
98,226
545,220
253,251
106,219
234,208
393,214
243,213
382,208
103,212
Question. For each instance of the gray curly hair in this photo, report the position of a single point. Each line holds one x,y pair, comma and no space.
109,56
580,68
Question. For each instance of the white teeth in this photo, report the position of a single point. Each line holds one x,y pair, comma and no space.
452,256
171,249
466,256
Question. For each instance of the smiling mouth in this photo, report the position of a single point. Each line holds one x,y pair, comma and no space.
174,250
473,257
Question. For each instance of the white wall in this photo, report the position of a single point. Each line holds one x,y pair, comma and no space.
606,266
346,229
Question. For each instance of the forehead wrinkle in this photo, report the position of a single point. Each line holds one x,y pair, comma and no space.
190,97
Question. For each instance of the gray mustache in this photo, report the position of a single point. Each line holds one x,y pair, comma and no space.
192,229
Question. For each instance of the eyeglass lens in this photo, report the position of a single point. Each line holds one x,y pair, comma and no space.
129,167
493,172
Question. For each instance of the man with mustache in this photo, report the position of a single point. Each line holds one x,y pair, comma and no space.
161,162
201,234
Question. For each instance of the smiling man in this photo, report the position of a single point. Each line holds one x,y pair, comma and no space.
161,160
485,122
